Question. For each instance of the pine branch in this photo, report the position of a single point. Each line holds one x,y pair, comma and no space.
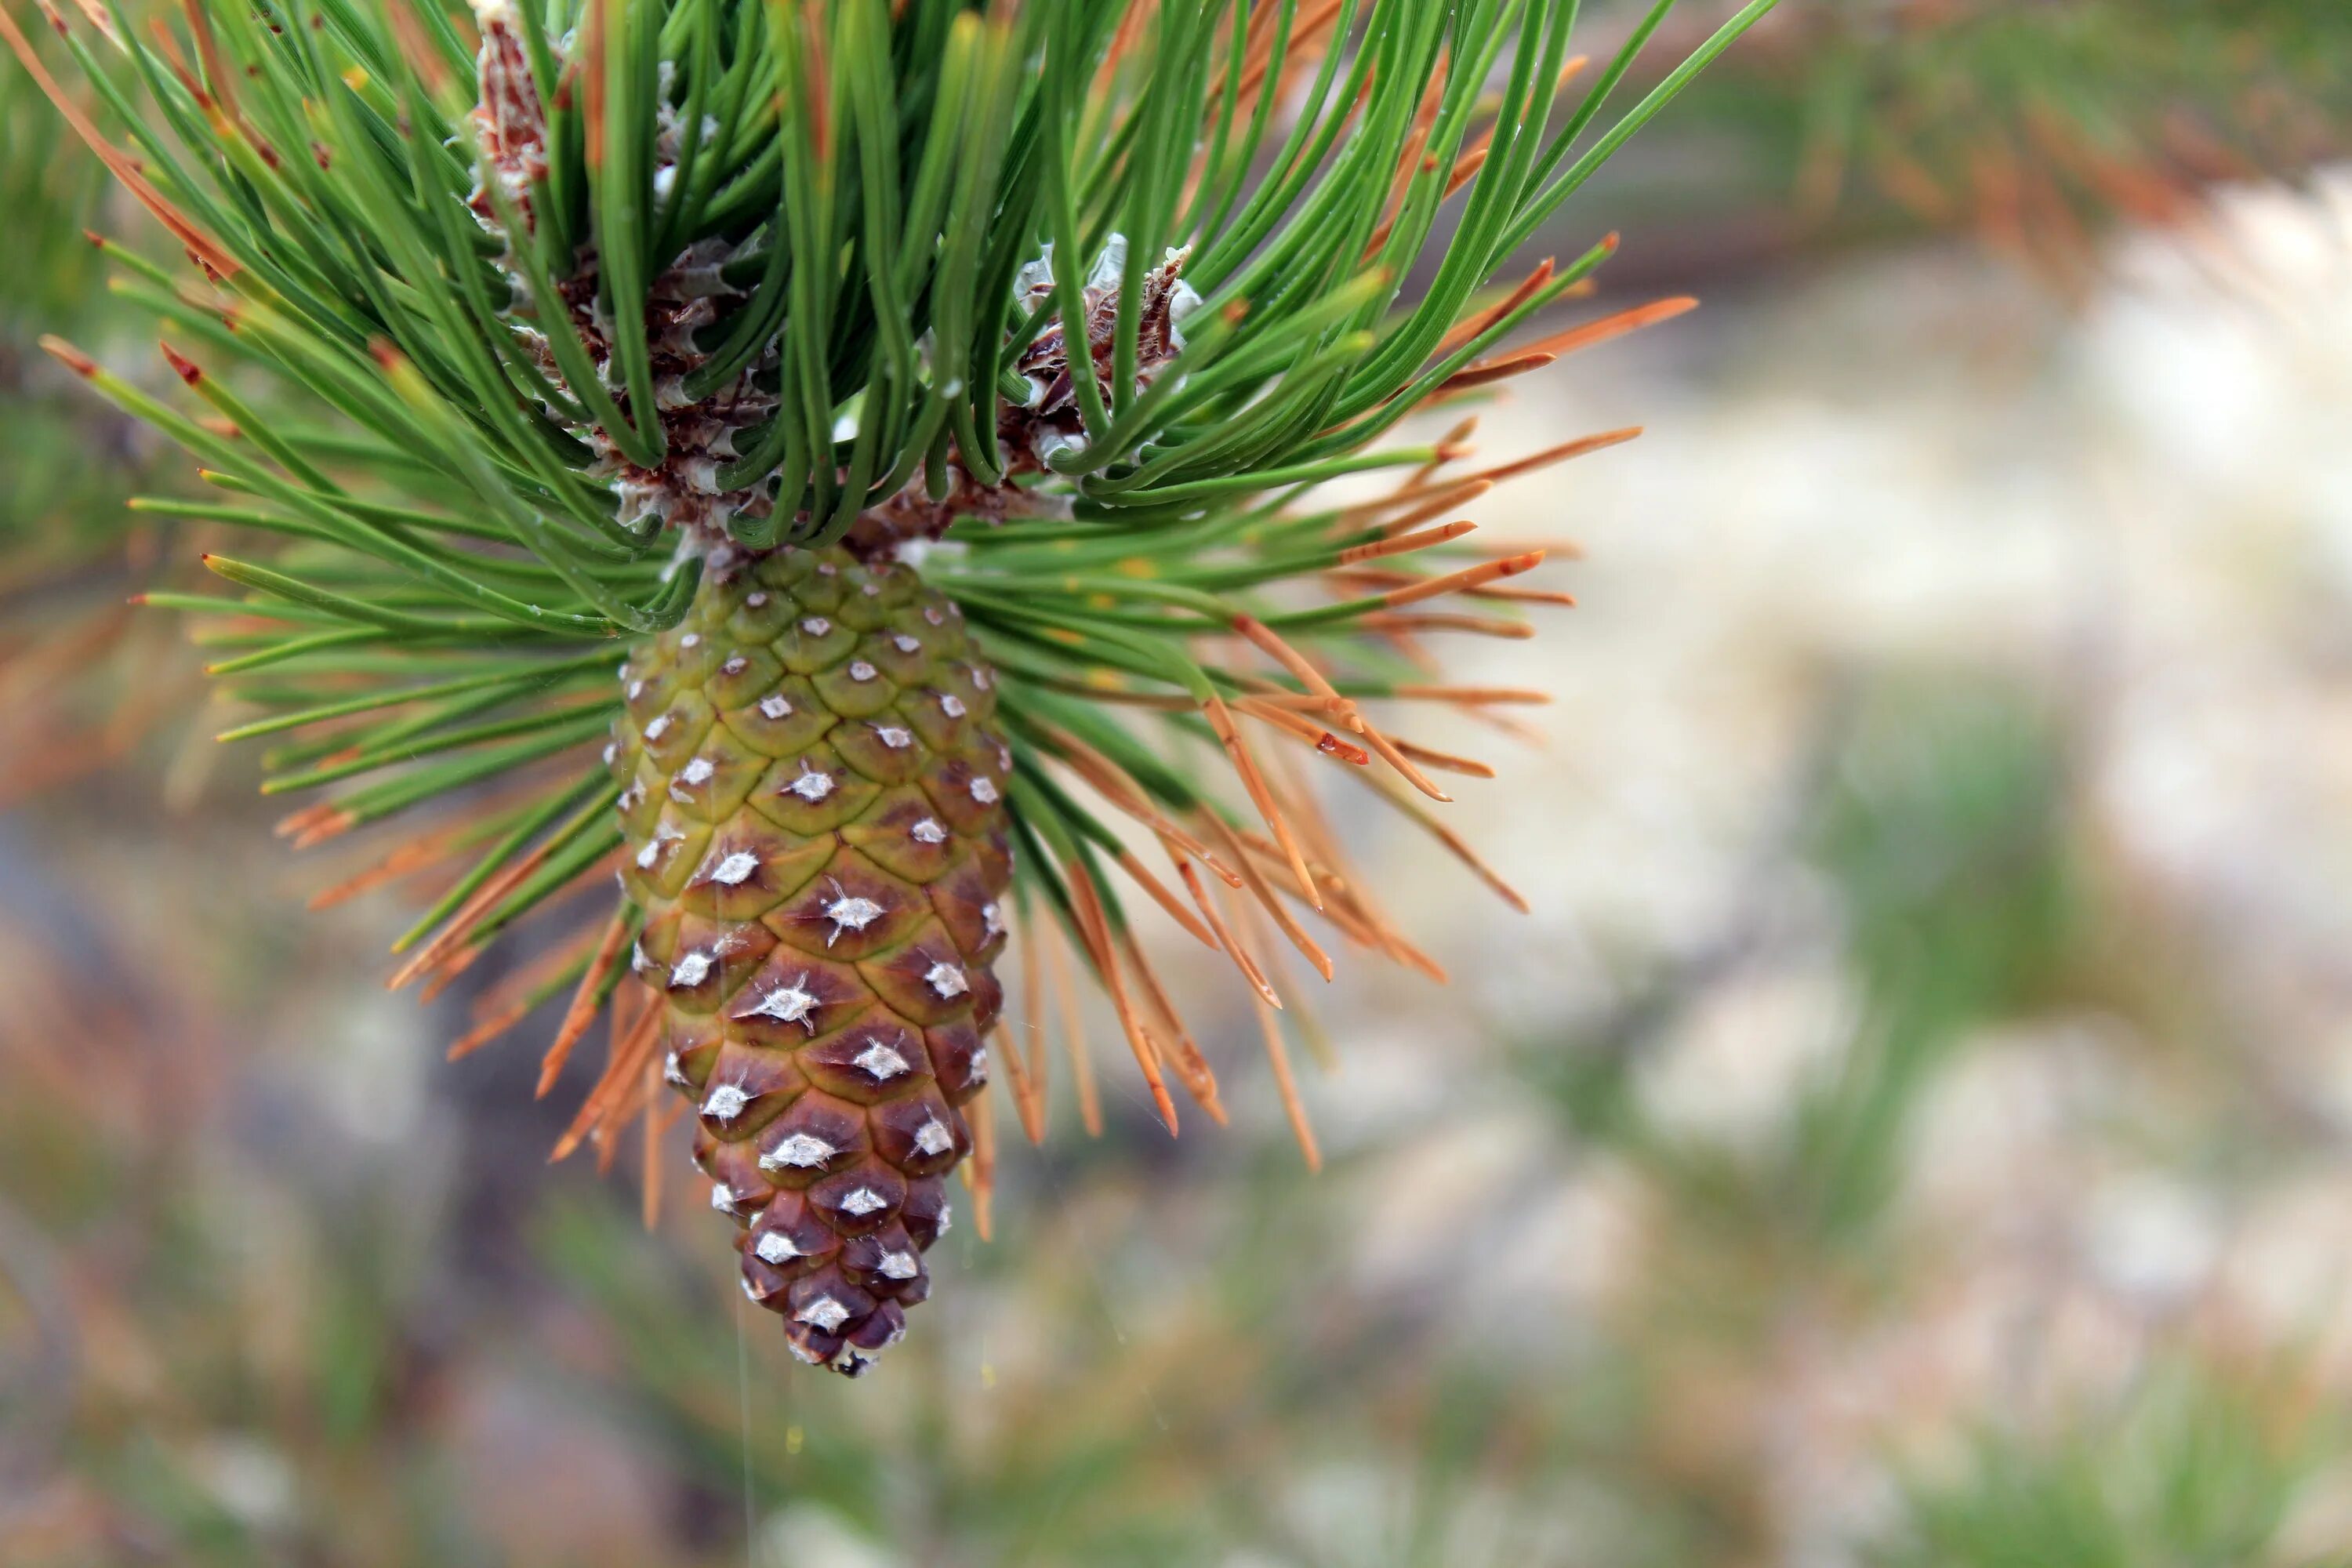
605,311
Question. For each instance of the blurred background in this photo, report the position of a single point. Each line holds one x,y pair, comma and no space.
1913,1128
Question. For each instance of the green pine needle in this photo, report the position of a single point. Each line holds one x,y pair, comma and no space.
494,285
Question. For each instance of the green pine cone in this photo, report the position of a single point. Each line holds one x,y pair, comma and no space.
815,829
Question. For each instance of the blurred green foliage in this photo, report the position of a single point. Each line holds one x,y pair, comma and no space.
1941,824
1945,836
50,186
2029,123
2198,1465
67,460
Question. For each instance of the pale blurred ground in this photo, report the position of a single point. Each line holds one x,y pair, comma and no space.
1910,1129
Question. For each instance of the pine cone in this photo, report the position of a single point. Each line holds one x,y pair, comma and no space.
812,802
